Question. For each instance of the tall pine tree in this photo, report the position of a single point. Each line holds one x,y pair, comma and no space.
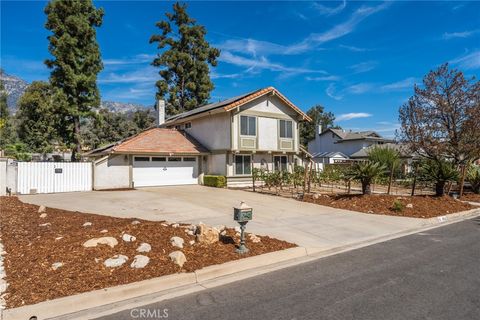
76,62
184,63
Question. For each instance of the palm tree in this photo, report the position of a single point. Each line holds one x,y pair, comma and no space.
389,157
366,172
440,172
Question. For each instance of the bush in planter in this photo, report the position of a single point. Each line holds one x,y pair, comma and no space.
397,206
215,181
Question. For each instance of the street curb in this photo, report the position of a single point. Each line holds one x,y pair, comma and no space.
114,299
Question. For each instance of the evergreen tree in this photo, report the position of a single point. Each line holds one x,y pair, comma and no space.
185,72
76,62
38,117
319,116
6,131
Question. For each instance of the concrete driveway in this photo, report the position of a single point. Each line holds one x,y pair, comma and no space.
308,225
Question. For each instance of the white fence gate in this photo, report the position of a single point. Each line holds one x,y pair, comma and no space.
51,177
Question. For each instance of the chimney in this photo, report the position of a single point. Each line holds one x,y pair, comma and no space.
319,129
160,113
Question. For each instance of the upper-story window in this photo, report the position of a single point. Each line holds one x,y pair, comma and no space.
188,125
248,126
286,129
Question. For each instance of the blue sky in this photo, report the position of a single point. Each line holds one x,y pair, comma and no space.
357,59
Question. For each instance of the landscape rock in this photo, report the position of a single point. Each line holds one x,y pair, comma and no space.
104,231
140,261
177,242
207,235
178,258
254,238
135,222
190,232
42,209
87,224
43,215
175,225
409,206
128,238
144,247
115,261
45,224
58,238
192,242
57,265
237,229
110,241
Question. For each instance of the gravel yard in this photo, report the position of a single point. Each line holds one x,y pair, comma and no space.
51,253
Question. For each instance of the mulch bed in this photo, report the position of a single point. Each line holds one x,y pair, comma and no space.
423,206
31,250
473,197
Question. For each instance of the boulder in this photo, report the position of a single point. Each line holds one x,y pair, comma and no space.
128,238
87,224
144,247
43,215
140,261
178,258
110,241
42,209
57,265
115,261
207,235
177,242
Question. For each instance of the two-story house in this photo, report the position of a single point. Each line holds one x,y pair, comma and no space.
258,129
332,144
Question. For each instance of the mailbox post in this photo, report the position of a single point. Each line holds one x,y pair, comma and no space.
242,214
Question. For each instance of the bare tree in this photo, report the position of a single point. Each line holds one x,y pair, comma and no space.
442,119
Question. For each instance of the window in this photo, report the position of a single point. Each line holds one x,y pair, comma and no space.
286,129
280,163
188,125
159,159
248,126
142,159
243,164
178,127
189,159
174,159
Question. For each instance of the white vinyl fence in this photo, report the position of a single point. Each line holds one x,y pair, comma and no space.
51,177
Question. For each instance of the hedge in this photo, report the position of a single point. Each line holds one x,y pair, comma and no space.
215,181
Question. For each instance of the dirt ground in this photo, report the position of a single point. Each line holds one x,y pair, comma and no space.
422,206
31,249
471,197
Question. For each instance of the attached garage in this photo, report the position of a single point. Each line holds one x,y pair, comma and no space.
155,157
164,171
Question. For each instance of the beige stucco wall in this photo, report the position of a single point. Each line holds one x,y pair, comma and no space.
212,131
217,164
111,172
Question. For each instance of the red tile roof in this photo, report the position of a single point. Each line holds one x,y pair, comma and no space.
161,141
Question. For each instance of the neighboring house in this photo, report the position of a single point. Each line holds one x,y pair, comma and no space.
337,144
406,155
258,129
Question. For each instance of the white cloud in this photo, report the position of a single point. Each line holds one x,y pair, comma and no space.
463,34
146,74
354,49
359,88
137,59
262,63
323,78
352,115
329,11
363,66
468,61
312,41
400,85
331,92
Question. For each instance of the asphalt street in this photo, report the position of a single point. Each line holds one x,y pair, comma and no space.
429,275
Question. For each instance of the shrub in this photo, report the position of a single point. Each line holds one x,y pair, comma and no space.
473,176
397,206
440,172
215,181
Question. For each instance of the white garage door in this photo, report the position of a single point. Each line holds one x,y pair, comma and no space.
164,171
